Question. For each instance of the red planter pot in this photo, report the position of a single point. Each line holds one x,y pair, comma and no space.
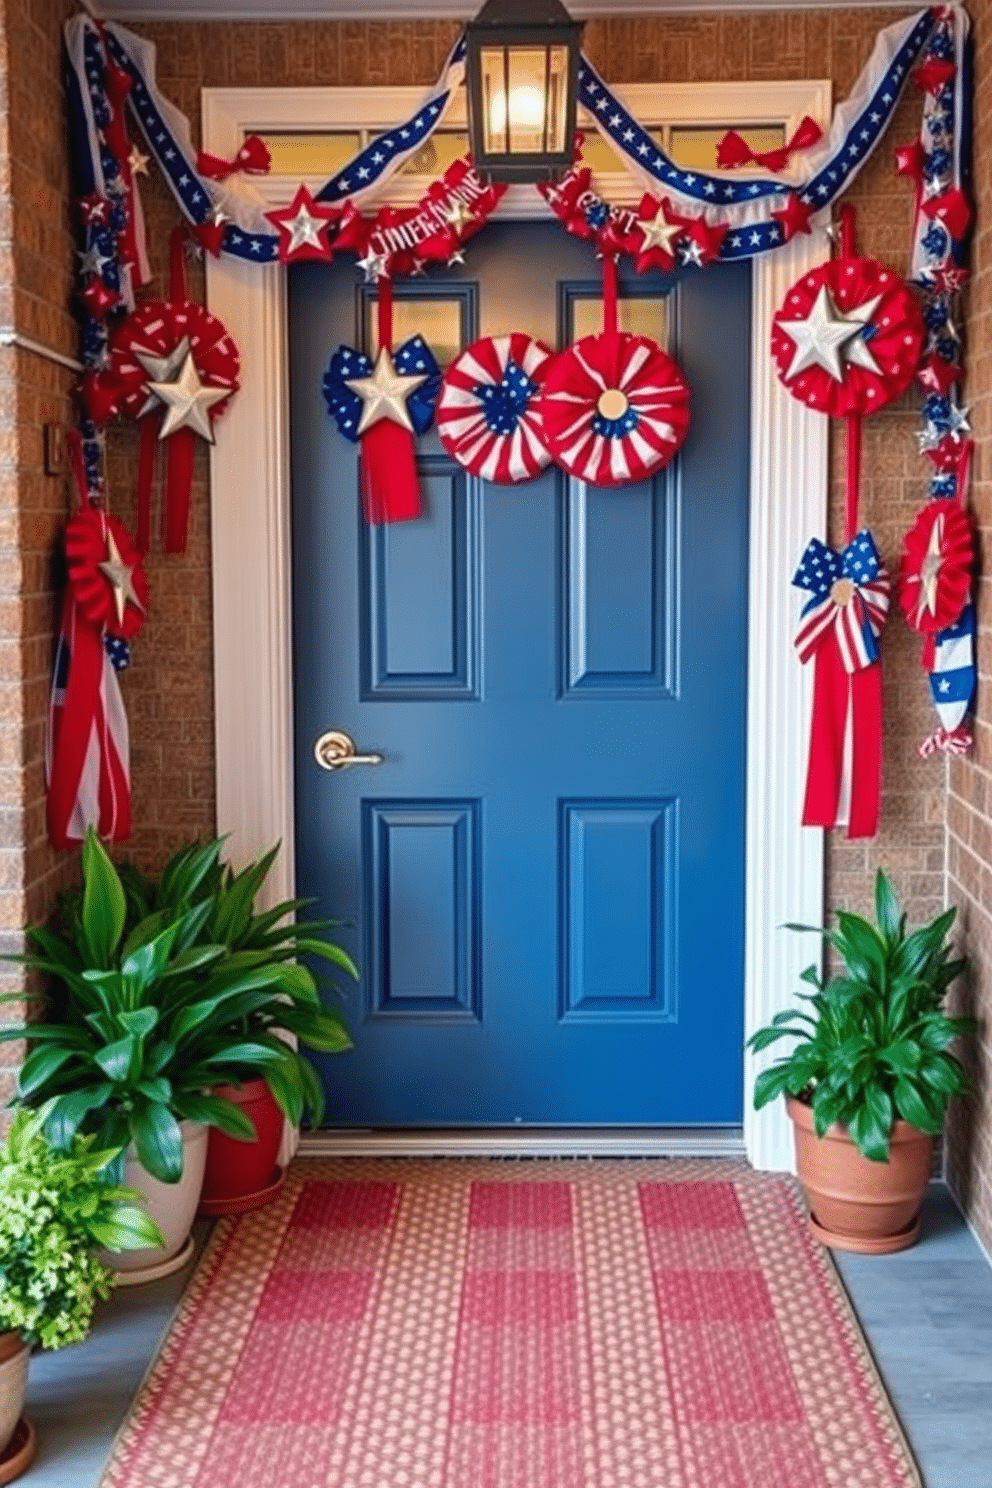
244,1175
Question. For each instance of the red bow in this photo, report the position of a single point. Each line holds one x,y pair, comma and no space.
734,150
253,158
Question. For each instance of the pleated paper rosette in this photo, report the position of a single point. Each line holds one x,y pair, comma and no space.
615,408
487,414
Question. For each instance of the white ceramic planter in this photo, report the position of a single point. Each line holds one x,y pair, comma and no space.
14,1355
171,1205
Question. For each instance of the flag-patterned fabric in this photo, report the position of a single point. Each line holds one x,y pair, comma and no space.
488,417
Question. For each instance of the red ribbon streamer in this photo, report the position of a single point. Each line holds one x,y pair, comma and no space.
387,463
835,692
734,150
253,158
79,724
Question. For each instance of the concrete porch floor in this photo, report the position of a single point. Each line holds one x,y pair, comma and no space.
927,1314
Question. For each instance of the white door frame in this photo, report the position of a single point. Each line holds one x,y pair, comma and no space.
250,507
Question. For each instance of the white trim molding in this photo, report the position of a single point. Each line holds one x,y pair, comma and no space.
252,575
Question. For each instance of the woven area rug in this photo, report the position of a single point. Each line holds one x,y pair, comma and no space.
515,1324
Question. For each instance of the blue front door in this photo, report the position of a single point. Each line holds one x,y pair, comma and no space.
544,876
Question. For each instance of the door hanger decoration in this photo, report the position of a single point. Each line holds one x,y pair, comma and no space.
614,407
86,747
488,416
824,343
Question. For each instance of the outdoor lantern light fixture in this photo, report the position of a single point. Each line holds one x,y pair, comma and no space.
521,79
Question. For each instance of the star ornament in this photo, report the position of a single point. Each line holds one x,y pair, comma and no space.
384,393
160,369
659,235
304,228
120,575
824,338
794,216
188,402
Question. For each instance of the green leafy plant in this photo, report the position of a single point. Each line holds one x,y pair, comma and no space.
873,1044
54,1208
160,991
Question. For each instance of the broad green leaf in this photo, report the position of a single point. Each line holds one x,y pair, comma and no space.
252,1055
146,962
140,1021
120,1061
159,1141
213,1110
903,1056
129,1229
913,1109
886,909
286,1085
322,1030
330,952
69,1111
313,1087
104,906
769,1084
39,1067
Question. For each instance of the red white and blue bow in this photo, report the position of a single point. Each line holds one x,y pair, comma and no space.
840,626
346,365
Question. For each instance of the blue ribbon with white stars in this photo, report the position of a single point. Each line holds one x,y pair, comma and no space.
859,124
413,358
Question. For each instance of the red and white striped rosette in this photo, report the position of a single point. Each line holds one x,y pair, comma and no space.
615,408
487,413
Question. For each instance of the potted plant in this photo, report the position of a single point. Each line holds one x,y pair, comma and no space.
870,1075
144,1016
54,1208
242,1174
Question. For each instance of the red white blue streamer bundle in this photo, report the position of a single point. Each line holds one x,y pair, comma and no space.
86,746
839,630
488,416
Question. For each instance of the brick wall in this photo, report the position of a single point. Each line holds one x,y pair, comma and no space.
36,258
969,808
169,687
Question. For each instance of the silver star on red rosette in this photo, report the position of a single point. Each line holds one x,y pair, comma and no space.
174,368
848,337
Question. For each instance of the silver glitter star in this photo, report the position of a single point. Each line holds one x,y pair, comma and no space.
820,338
160,369
660,233
374,265
138,162
458,216
384,393
188,402
121,577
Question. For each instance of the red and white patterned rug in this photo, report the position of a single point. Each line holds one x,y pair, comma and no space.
465,1324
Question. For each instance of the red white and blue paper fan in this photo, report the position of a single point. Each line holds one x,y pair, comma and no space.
487,414
615,408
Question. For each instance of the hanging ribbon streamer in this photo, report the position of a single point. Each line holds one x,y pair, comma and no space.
174,368
839,628
86,746
734,150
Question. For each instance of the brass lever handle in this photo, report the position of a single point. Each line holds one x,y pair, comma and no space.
335,750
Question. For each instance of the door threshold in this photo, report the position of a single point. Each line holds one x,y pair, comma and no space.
638,1141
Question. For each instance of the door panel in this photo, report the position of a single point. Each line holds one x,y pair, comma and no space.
545,875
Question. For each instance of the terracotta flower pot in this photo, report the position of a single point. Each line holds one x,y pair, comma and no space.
856,1204
14,1355
243,1175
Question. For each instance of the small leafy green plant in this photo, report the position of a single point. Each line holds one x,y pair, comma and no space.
159,993
54,1208
873,1043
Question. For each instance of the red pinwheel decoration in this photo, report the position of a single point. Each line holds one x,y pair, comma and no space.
173,367
615,408
87,745
848,338
487,415
938,555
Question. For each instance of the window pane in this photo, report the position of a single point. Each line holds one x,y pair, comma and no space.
598,153
696,147
438,321
309,154
641,315
437,153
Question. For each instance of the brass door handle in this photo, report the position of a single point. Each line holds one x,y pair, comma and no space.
335,750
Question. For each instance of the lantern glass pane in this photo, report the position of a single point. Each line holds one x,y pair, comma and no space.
494,120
